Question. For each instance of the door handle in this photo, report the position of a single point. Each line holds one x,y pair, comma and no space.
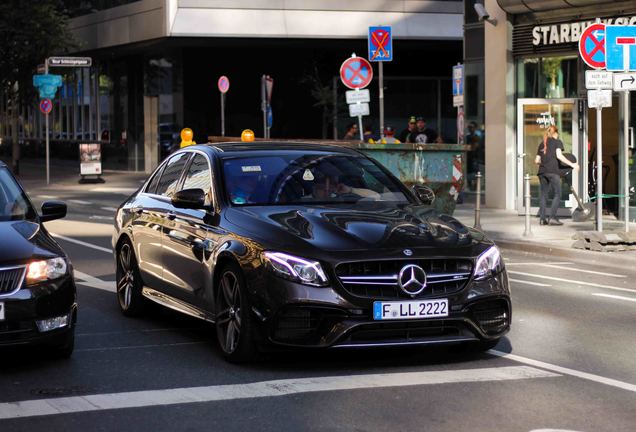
171,215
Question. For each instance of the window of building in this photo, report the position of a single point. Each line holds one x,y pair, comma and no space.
547,77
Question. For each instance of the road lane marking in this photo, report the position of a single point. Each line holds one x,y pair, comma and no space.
529,283
578,270
188,395
615,297
537,263
52,197
572,281
117,190
74,201
566,371
93,282
109,218
79,242
110,209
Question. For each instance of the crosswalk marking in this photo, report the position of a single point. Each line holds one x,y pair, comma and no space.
529,282
571,281
137,399
615,297
578,270
93,282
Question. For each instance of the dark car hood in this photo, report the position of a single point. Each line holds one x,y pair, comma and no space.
22,240
339,228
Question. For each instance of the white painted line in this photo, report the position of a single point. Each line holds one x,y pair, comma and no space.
578,270
615,297
74,201
79,242
99,402
117,190
110,209
96,217
93,282
529,283
537,263
572,281
52,197
566,371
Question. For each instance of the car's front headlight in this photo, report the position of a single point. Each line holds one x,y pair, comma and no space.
38,271
489,263
296,269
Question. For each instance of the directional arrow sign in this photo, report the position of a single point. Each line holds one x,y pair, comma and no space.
624,81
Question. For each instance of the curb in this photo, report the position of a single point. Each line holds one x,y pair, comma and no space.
609,259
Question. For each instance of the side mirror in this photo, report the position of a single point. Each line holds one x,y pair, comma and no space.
189,199
424,193
52,210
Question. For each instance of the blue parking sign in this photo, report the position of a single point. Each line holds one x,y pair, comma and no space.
458,80
620,48
380,44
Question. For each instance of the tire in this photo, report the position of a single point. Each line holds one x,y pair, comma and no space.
234,322
129,285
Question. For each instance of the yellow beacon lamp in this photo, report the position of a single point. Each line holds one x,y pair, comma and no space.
247,135
186,138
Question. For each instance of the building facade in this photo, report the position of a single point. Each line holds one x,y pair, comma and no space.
536,78
156,64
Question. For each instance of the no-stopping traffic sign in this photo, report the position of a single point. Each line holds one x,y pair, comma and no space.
592,45
356,72
46,106
223,84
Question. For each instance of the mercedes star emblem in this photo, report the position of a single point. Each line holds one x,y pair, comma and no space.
412,279
408,252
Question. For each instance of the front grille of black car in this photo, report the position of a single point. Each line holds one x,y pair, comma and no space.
403,332
378,279
492,316
11,279
305,325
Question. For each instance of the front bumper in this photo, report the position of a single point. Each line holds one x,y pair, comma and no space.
34,303
296,315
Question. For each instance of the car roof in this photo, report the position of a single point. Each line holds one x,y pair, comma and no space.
259,146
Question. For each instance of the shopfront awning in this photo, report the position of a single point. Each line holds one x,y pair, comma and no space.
526,6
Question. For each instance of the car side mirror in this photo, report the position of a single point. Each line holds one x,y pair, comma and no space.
424,193
52,210
189,199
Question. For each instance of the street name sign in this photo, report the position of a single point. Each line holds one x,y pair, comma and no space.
70,61
599,98
355,96
624,81
359,109
598,80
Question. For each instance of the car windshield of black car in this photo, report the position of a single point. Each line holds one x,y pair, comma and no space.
13,203
287,178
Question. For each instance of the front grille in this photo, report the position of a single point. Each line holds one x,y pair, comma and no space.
378,279
403,332
492,316
305,325
11,279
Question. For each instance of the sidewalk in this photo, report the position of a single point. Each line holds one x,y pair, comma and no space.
506,228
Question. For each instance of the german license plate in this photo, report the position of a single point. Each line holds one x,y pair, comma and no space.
419,309
1,311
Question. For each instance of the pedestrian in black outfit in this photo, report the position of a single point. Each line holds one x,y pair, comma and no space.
549,154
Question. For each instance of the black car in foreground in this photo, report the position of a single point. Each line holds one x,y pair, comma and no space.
37,290
305,245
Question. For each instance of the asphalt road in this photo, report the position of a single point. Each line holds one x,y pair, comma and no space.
569,362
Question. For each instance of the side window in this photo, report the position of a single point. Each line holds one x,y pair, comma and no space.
171,174
152,185
198,177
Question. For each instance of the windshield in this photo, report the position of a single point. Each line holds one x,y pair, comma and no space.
287,178
13,203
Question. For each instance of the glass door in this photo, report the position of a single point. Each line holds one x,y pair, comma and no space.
534,116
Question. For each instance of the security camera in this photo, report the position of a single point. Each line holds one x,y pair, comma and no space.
483,14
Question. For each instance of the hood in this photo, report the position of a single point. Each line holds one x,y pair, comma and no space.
22,240
356,227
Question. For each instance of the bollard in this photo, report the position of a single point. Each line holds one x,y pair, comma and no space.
526,197
478,202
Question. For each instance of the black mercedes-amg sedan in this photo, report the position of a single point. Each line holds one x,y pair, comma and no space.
37,291
305,245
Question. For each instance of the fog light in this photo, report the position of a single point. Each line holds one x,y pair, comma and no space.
53,323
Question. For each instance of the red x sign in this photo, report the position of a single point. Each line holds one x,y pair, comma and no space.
592,45
356,73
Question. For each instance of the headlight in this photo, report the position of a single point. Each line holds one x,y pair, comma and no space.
38,271
488,264
296,269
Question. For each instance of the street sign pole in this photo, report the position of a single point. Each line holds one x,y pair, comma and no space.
626,156
599,170
222,114
360,120
46,130
381,93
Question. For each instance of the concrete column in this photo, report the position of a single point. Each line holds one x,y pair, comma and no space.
499,110
151,133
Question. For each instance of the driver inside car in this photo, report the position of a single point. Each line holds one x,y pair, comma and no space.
327,187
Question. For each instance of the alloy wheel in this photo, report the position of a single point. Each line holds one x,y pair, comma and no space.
126,282
228,318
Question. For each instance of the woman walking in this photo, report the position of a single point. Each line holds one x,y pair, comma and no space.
549,154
